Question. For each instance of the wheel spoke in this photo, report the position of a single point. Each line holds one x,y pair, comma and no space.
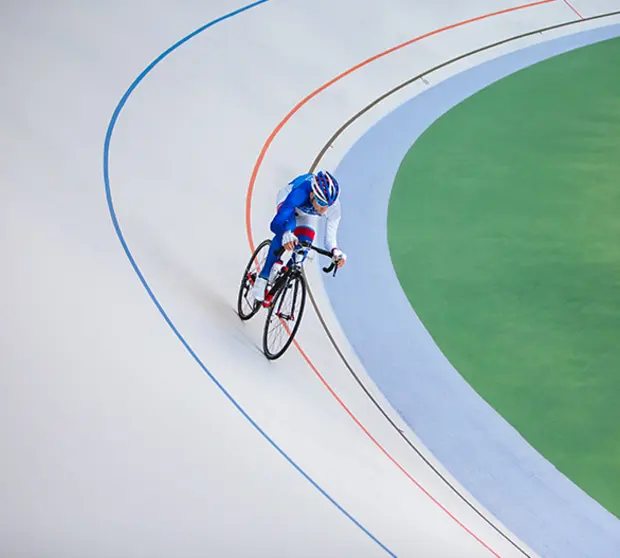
246,305
284,317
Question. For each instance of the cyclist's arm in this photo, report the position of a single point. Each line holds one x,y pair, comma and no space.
332,221
284,218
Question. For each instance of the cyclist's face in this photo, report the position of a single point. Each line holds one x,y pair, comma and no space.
320,209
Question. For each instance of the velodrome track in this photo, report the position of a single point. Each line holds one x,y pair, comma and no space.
142,147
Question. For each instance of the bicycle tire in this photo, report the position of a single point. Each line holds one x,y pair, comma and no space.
293,282
246,285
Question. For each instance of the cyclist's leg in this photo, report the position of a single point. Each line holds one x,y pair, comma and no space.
260,284
272,257
276,242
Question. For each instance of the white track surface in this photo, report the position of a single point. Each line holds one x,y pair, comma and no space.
114,441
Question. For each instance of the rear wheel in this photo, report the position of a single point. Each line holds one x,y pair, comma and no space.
246,305
284,316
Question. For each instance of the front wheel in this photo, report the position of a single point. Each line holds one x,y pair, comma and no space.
284,316
246,305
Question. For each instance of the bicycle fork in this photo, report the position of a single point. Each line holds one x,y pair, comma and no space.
283,283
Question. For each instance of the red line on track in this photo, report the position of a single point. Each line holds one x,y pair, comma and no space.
305,100
248,214
572,8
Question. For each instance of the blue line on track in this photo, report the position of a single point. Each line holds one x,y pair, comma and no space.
106,179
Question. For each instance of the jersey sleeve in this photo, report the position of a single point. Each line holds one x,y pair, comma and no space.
284,218
332,221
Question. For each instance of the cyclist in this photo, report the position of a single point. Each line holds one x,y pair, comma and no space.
299,205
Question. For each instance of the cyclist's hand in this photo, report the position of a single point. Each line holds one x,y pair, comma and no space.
339,257
289,240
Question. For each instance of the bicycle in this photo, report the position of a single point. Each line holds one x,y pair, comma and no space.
290,280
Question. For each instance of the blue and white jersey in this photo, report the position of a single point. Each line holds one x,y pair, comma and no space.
302,183
294,201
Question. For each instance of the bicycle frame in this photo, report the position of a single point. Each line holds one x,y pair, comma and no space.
294,267
300,253
278,297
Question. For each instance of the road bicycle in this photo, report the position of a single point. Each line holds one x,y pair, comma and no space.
285,297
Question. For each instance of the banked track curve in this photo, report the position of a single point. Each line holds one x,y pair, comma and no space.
334,343
317,162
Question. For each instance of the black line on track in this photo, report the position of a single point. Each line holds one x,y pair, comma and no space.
315,164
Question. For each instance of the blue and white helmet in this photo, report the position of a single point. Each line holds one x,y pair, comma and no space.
325,188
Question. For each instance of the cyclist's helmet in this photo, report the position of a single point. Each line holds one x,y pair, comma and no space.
325,188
